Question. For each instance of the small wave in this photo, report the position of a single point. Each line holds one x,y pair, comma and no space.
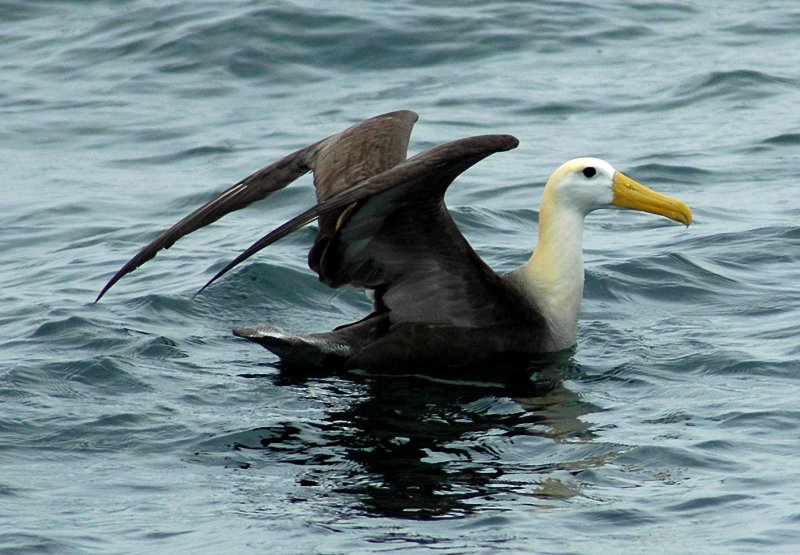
703,504
80,378
655,172
671,457
174,157
605,36
557,109
299,443
760,26
83,333
671,278
664,11
745,84
784,139
160,348
777,420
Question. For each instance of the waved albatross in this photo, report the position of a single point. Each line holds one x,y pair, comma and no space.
384,227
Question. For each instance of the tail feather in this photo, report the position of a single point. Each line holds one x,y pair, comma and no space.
311,350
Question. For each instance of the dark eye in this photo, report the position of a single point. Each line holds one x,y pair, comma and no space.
589,172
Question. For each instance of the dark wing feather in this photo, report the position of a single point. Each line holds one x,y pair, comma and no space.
353,156
349,157
394,234
404,244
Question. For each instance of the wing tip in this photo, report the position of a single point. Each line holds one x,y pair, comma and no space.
410,115
114,279
506,142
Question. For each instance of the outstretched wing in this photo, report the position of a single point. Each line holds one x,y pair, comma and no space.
393,234
404,244
351,156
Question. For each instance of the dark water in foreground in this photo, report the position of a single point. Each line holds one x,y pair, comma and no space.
140,424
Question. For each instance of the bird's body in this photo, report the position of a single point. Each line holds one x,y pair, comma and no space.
383,226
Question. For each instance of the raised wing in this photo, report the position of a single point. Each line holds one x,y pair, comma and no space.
351,156
393,234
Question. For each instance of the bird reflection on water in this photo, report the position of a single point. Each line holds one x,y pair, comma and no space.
418,447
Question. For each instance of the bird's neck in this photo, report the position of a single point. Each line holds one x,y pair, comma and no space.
553,276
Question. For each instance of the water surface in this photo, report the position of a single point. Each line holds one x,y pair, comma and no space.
140,424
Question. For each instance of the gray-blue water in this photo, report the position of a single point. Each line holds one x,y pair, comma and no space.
141,425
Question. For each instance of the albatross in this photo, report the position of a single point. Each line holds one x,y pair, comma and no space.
383,226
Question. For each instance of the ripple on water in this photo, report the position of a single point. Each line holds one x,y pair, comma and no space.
77,331
783,139
85,378
777,420
138,423
408,448
742,84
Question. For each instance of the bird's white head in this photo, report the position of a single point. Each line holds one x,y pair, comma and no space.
586,184
553,276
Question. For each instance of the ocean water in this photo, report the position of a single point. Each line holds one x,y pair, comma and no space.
139,424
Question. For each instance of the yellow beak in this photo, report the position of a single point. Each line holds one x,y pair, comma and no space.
635,196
